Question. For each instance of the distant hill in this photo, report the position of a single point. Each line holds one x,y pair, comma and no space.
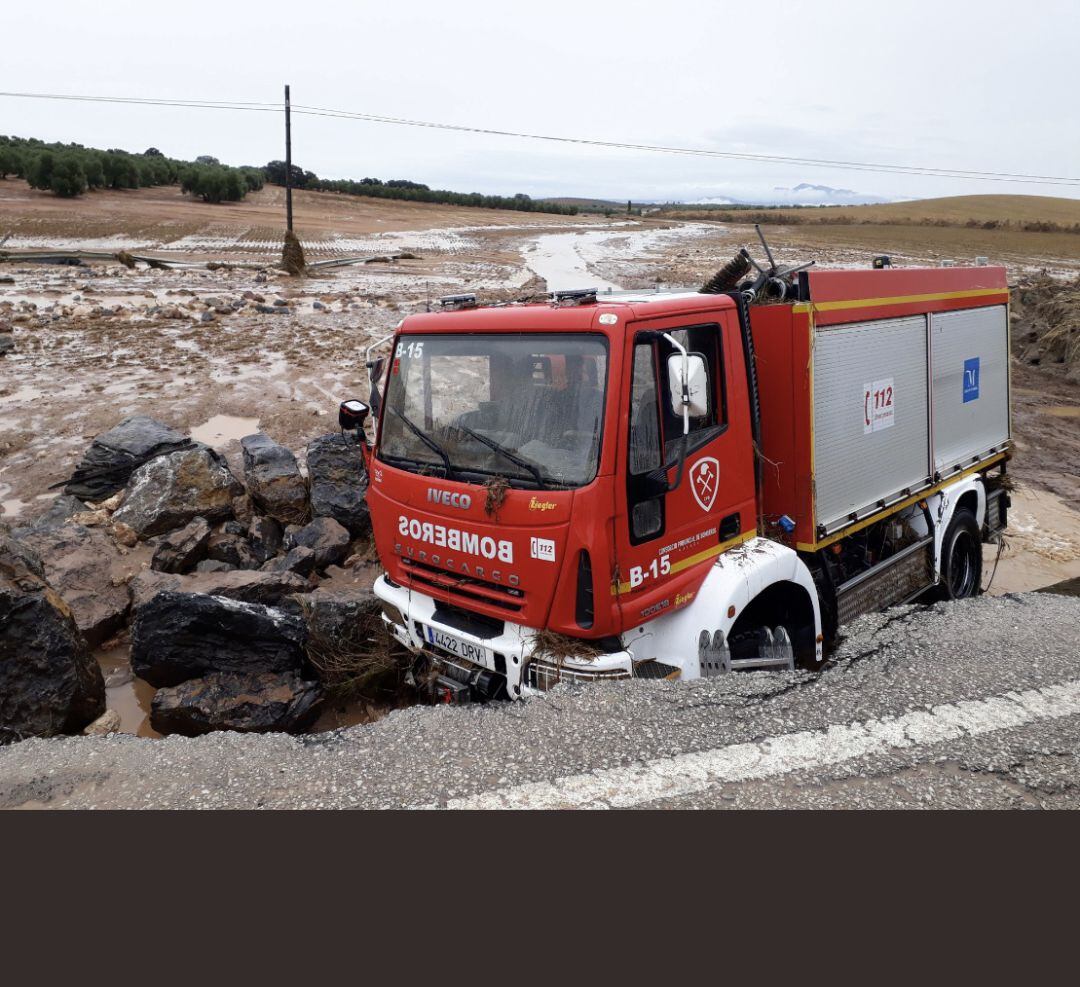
1015,209
588,205
1033,213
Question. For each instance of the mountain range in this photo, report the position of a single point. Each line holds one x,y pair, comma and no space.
804,194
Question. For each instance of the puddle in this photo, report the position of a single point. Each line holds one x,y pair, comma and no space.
1062,411
220,430
130,699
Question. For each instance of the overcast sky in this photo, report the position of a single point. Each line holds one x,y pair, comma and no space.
988,85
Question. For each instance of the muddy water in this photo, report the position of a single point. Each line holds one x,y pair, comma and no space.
1062,411
557,258
1042,544
129,696
220,430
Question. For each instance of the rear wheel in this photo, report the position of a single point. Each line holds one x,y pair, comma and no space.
961,558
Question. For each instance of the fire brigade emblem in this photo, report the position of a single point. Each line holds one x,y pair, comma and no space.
705,482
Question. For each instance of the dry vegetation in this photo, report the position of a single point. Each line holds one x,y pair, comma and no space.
1034,213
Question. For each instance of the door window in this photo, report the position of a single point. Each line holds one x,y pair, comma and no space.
645,452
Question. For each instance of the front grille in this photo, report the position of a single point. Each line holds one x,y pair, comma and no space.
469,589
543,675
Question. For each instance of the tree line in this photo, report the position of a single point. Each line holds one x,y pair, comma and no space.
69,170
400,188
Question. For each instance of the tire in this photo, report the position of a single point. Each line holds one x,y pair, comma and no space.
961,558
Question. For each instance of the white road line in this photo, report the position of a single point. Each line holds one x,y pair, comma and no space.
686,774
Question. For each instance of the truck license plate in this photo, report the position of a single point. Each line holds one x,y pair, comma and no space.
456,646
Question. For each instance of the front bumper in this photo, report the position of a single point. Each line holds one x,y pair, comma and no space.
416,621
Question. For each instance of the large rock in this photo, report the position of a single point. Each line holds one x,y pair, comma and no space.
60,510
299,560
114,455
182,550
325,537
49,683
269,588
274,480
258,702
181,636
338,482
82,564
172,490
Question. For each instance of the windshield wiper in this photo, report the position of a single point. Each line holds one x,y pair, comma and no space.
502,450
425,438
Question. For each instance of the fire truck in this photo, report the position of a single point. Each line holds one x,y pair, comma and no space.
680,485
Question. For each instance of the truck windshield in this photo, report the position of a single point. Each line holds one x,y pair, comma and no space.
529,408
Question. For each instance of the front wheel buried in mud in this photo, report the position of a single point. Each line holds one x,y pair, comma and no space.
961,558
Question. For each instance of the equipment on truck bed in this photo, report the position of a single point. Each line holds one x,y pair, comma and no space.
680,485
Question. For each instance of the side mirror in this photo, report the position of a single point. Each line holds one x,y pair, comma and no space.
352,415
695,387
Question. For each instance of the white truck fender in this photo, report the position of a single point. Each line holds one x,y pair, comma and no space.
942,507
737,578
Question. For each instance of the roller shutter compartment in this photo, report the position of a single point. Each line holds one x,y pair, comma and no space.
871,416
969,352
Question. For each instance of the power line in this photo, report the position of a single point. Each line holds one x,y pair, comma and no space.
924,171
198,104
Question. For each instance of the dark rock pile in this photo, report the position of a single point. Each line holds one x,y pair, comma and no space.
218,620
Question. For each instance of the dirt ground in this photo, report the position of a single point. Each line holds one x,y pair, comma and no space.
164,219
191,347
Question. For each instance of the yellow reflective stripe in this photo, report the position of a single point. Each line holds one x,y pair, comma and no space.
683,564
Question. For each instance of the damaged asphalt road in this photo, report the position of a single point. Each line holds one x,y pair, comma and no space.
968,705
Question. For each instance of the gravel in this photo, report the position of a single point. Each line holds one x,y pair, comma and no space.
910,659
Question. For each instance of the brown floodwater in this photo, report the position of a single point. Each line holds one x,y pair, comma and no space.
129,696
220,430
1062,411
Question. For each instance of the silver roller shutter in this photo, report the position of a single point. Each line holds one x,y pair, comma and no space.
969,351
862,455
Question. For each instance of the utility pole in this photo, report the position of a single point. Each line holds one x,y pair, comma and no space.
292,253
288,163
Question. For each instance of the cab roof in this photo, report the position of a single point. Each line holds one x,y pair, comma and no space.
580,317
